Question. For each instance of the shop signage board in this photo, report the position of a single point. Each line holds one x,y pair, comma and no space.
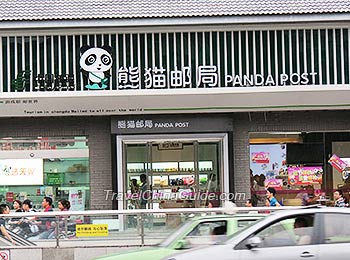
21,172
152,73
158,78
146,61
175,124
170,146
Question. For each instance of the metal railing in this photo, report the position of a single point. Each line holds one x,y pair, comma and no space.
139,227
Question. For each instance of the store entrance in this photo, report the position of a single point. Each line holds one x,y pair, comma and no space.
172,171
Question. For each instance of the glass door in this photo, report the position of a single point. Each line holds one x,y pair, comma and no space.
211,173
159,174
179,171
174,173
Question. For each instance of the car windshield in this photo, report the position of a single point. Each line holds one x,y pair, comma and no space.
175,234
242,229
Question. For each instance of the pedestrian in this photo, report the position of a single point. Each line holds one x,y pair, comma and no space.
44,223
271,201
4,209
249,203
339,200
63,205
17,206
145,195
307,196
144,192
135,189
28,223
27,206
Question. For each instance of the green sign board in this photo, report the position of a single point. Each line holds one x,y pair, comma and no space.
55,178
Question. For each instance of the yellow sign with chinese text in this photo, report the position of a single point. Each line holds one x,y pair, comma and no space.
92,230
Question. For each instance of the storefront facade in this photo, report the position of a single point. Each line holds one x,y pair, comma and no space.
177,103
186,158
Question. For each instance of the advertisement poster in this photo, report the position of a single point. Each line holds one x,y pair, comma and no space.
305,175
346,172
274,183
337,163
268,159
77,199
261,157
21,172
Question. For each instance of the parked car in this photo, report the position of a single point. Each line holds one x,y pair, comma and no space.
198,231
313,233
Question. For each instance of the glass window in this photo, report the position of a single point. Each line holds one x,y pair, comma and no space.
336,228
292,163
242,223
67,178
210,179
341,176
207,232
58,168
287,232
305,168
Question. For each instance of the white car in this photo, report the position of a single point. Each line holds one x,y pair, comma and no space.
318,233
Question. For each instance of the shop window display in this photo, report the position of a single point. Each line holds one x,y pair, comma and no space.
341,175
59,169
304,168
268,169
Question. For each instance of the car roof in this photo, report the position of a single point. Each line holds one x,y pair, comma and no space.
310,210
287,213
241,215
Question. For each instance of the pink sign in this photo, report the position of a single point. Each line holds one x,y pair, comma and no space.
337,163
261,157
274,183
305,175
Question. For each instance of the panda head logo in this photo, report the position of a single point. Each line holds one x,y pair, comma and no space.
96,63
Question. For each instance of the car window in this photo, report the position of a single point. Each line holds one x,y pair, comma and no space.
206,228
292,231
231,236
242,223
172,238
207,232
336,228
